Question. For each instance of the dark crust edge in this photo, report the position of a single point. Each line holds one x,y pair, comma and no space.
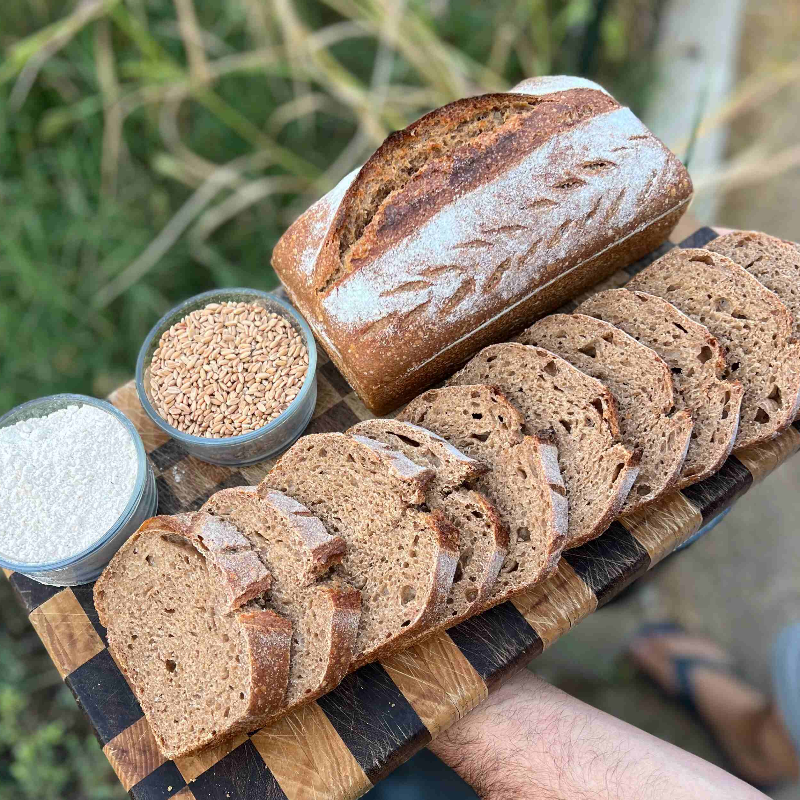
440,581
343,602
445,539
408,374
416,484
620,490
322,555
681,421
473,467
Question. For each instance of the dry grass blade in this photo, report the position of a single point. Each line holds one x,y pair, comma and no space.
192,41
221,178
112,130
305,105
749,168
442,67
749,94
309,55
29,56
244,196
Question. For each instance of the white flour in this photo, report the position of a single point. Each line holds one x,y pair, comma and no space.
64,481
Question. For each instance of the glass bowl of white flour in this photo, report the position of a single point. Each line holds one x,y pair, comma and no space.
75,483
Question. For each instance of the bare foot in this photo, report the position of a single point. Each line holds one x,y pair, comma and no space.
741,718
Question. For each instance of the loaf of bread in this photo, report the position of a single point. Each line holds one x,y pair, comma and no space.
187,624
465,226
356,545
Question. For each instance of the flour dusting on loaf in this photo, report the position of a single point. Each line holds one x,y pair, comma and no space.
320,217
547,84
476,253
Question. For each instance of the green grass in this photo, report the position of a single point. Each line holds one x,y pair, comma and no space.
145,158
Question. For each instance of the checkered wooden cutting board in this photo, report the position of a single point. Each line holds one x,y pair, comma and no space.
340,745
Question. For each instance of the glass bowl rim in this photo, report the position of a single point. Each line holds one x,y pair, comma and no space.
244,438
35,568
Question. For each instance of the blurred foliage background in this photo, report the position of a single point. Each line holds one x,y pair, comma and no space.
151,149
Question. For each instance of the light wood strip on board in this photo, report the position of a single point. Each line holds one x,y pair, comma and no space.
66,632
555,605
197,763
438,681
134,754
761,459
309,759
662,526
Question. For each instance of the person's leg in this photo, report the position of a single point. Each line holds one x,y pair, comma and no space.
744,721
530,740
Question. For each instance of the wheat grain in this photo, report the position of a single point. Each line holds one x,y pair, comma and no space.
227,369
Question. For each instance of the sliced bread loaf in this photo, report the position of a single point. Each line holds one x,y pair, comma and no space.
524,481
552,395
401,558
642,386
297,550
749,321
182,601
697,363
774,262
483,538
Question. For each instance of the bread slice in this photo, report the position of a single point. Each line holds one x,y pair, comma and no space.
524,481
774,262
552,395
483,538
298,551
401,558
641,384
182,601
697,363
749,320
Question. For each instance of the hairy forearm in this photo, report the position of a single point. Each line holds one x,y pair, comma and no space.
530,740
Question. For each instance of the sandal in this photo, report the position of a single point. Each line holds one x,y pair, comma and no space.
685,694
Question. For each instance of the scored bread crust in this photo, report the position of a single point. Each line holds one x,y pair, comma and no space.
716,291
716,405
408,483
449,411
266,635
449,492
483,237
594,347
337,606
533,366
